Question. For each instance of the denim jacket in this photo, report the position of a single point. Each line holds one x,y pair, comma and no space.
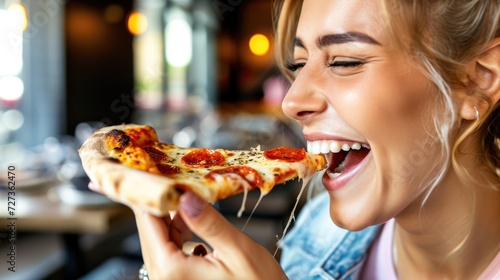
317,249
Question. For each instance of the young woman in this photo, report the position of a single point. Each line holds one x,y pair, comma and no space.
411,89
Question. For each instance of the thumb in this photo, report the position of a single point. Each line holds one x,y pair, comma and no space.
206,222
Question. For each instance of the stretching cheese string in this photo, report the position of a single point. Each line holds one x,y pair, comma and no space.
253,210
292,215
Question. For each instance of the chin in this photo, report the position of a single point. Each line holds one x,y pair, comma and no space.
349,223
354,220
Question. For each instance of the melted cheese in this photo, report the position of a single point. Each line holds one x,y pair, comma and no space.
253,210
304,174
244,201
292,214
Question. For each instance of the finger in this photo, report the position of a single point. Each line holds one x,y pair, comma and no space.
154,234
179,232
162,256
211,226
138,220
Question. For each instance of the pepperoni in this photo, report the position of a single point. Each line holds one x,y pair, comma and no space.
167,169
203,158
156,155
285,154
246,172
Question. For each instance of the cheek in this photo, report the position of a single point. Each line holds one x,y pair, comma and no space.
395,116
393,102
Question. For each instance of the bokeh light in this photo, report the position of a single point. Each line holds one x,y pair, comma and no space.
11,88
114,13
259,44
20,14
178,43
137,23
13,119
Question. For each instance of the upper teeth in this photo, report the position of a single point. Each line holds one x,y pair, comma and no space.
327,146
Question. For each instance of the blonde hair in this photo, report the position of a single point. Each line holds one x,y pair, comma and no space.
442,35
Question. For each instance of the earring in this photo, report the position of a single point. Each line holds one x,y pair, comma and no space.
477,113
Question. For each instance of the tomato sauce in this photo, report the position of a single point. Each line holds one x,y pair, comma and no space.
244,172
167,169
156,155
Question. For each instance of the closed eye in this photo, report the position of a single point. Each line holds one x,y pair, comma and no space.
346,64
294,66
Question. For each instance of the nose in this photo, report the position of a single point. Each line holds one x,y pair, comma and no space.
305,99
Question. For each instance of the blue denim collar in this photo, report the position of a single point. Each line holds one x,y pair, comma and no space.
348,258
317,249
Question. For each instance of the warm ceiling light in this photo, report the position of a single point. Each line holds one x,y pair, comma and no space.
259,44
137,23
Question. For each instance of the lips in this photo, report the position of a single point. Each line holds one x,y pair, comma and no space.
345,158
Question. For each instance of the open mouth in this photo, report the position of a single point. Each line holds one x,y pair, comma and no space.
341,157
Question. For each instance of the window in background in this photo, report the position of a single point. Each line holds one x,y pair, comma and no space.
174,54
12,23
31,82
145,23
178,54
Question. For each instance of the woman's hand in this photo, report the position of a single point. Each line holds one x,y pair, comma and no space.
235,255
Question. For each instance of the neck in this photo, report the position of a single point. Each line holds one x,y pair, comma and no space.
453,234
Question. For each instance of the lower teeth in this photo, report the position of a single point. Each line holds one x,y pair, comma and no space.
337,171
339,168
332,175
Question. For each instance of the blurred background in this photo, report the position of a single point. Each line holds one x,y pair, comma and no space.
201,72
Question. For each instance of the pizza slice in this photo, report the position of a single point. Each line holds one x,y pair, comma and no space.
130,165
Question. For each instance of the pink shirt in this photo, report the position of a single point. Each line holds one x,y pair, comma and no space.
380,263
492,271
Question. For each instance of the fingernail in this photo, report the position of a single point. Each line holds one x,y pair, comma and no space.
92,187
192,204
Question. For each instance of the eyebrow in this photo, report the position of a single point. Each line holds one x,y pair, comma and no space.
341,38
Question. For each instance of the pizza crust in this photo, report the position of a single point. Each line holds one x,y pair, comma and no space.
153,193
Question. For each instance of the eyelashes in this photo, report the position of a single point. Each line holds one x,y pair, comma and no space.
336,64
346,64
294,66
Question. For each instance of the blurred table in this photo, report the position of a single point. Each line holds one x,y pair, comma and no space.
41,210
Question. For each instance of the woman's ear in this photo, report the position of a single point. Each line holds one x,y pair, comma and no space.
484,79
